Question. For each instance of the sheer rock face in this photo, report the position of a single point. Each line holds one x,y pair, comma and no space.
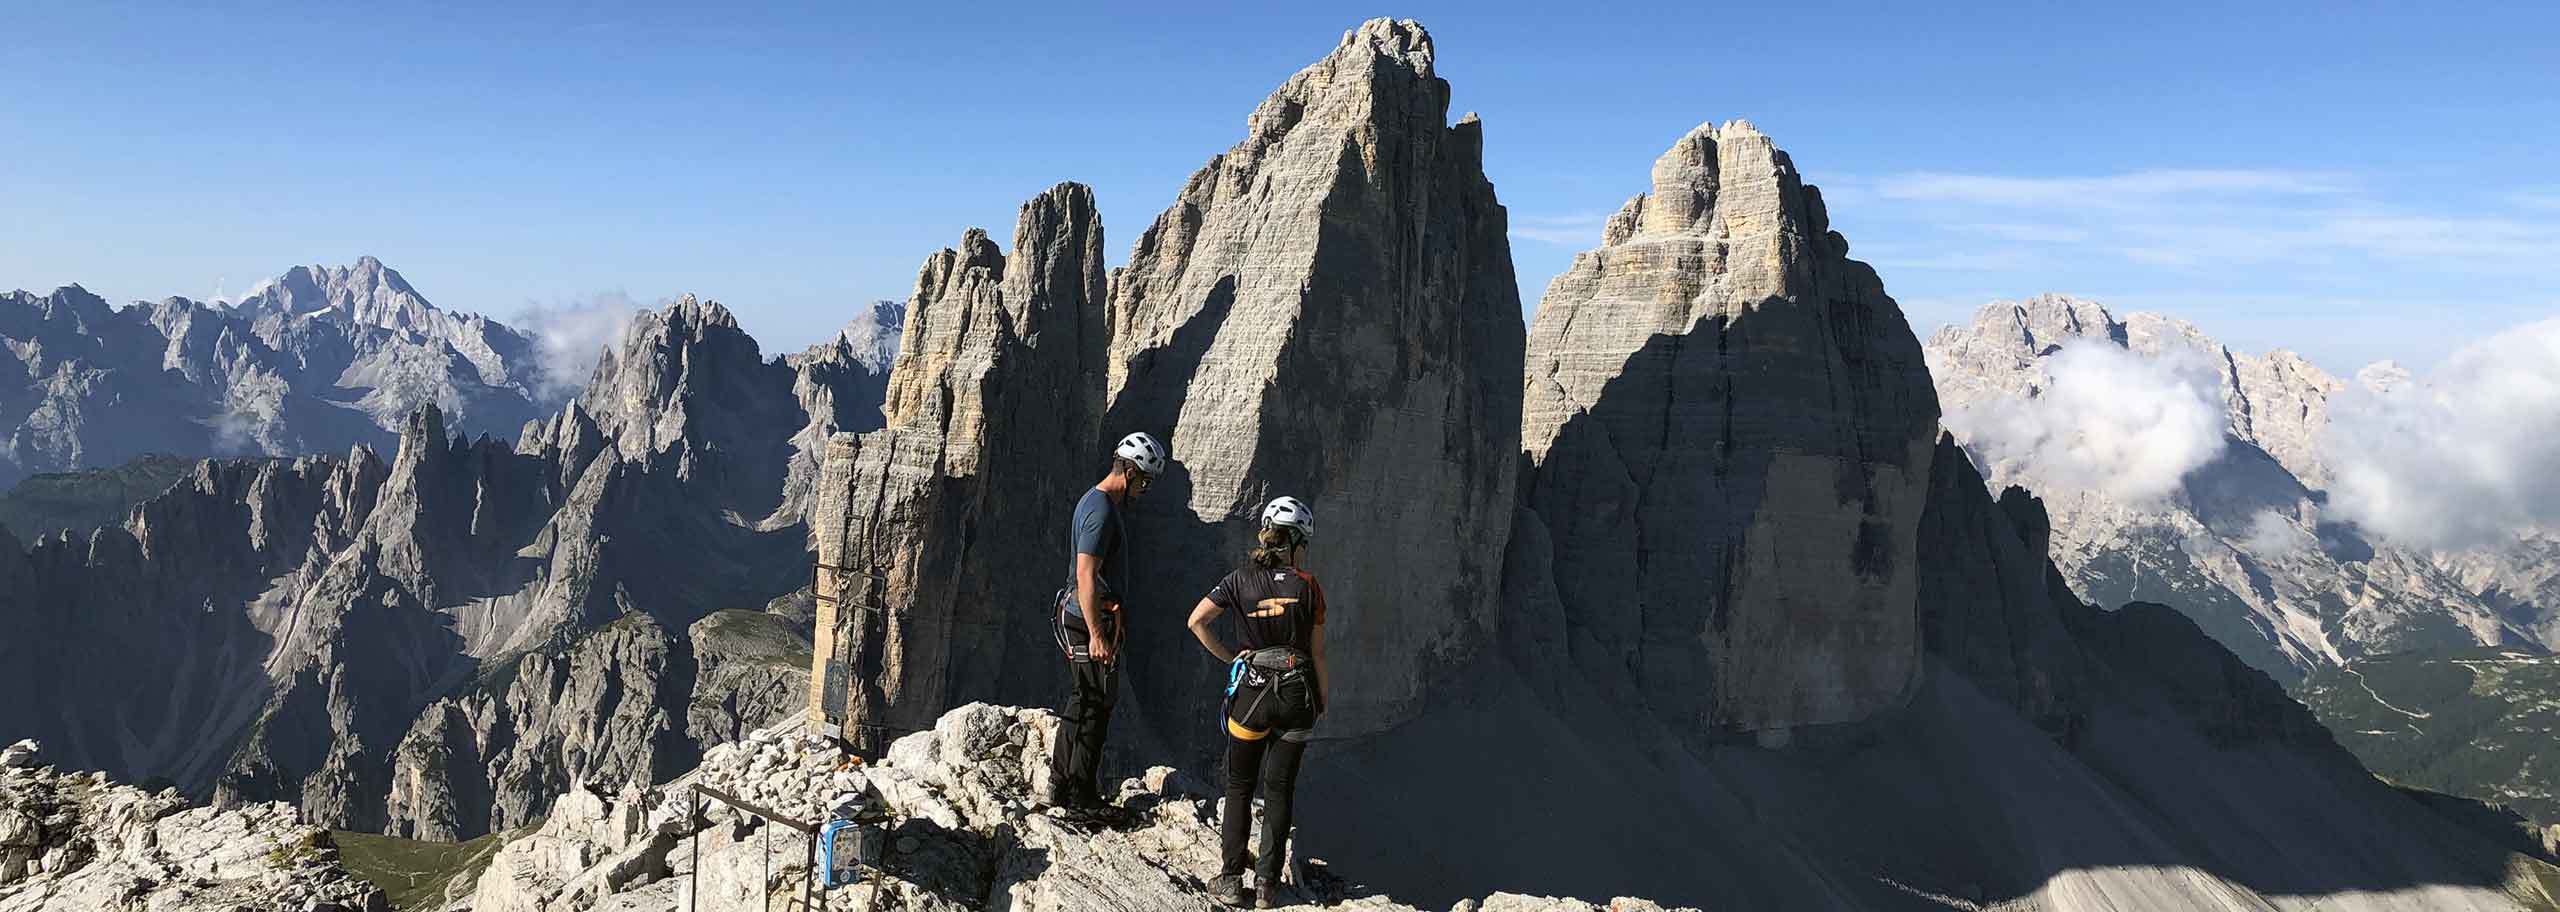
1991,606
1730,428
1328,311
2240,545
315,361
954,513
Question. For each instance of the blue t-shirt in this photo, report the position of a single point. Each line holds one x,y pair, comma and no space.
1097,531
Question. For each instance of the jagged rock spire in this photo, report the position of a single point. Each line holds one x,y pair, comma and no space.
941,516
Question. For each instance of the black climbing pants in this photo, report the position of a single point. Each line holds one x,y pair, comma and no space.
1076,760
1272,763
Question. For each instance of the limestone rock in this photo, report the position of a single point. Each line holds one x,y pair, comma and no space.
964,831
1328,311
76,842
1991,606
1730,430
950,515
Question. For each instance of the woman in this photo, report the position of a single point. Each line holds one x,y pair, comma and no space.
1275,689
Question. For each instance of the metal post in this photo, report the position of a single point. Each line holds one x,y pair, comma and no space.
693,897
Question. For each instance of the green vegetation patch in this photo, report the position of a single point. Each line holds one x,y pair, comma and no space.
413,873
80,501
2480,723
753,636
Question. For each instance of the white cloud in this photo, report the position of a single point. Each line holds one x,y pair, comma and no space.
1578,230
2028,232
2104,191
2197,219
2271,535
571,335
2467,454
1951,260
2105,419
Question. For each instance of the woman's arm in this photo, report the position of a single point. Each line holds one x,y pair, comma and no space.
1201,615
1324,680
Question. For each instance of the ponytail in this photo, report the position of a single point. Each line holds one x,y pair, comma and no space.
1273,545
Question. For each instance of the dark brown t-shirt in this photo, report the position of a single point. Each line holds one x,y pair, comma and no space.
1278,606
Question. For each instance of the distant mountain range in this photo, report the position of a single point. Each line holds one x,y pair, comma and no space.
272,627
2235,535
2433,666
316,360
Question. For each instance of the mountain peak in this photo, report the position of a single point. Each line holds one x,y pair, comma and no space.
1381,71
367,292
1401,40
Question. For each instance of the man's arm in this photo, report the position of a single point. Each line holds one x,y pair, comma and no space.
1201,615
1088,599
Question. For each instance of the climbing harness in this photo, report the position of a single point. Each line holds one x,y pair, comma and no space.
1265,685
1061,623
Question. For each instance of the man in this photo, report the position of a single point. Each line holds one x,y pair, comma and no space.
1089,626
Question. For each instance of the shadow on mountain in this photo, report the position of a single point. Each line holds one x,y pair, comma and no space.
2049,751
1951,796
1167,700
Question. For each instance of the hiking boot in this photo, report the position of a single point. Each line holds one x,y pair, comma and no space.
1229,890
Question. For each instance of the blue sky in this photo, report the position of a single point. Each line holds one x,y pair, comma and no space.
2352,182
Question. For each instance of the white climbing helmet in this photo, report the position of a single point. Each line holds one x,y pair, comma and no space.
1293,514
1143,451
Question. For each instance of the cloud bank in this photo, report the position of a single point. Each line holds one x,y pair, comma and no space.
572,336
2107,420
2466,455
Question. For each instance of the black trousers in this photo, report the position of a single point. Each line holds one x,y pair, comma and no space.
1271,763
1083,726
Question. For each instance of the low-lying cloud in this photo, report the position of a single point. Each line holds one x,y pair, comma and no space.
2465,455
2107,420
2271,535
572,336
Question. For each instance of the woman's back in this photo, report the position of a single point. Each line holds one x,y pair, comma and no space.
1273,606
